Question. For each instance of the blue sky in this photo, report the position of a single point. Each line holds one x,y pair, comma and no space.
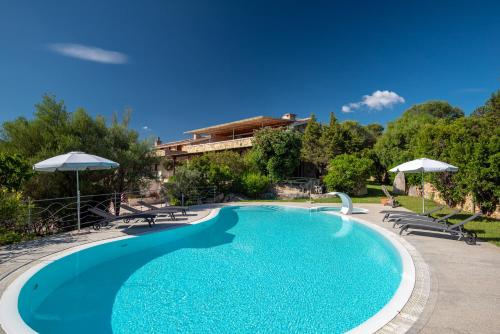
187,64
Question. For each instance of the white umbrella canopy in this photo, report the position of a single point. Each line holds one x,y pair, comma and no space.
424,165
75,161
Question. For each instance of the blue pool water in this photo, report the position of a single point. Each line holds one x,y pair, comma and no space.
256,269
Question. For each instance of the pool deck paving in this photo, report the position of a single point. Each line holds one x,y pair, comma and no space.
457,286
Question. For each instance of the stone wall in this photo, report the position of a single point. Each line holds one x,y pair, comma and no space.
433,194
289,192
219,146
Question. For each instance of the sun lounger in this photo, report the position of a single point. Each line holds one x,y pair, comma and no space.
409,219
172,208
454,230
390,213
108,217
391,200
153,212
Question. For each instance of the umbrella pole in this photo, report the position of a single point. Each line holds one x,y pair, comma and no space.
423,198
78,199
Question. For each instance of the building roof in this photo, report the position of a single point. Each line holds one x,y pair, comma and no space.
174,143
253,122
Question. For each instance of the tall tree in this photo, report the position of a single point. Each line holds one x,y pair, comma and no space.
312,150
331,140
396,144
491,108
54,130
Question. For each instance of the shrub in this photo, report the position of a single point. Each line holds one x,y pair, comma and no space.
13,212
255,184
347,172
186,182
10,237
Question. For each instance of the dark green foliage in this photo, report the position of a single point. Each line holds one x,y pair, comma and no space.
55,131
438,131
14,171
13,215
347,137
312,150
185,185
375,129
222,170
331,140
347,173
473,145
396,145
277,152
490,109
435,109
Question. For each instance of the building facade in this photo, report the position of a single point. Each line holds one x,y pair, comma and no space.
236,136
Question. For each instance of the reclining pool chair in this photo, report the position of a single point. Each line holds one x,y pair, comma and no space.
391,213
409,219
152,212
392,201
181,209
454,230
109,217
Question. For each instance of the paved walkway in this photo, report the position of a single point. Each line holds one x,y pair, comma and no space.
461,294
465,282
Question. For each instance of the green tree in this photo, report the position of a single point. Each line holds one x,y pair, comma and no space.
331,140
473,145
54,130
491,108
277,152
436,109
223,170
312,150
397,145
347,173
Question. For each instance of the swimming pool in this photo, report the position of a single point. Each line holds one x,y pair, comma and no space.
248,269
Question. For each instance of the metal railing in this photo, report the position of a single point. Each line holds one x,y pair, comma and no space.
56,215
304,184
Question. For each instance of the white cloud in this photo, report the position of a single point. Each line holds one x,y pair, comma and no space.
89,53
377,101
146,128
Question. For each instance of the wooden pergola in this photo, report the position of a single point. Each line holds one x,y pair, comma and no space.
238,129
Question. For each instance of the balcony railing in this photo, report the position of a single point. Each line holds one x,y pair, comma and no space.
219,145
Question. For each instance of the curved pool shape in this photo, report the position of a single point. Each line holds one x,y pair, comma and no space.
249,269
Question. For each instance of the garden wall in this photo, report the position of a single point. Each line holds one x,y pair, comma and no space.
432,193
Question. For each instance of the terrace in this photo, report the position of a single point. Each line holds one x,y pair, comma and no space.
237,135
445,285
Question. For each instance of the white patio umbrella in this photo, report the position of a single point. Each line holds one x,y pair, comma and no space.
75,161
424,165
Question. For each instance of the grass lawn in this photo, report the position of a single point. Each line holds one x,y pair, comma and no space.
487,229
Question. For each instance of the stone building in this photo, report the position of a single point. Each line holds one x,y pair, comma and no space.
236,136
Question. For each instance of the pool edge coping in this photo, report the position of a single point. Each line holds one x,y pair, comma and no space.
11,320
404,292
405,289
